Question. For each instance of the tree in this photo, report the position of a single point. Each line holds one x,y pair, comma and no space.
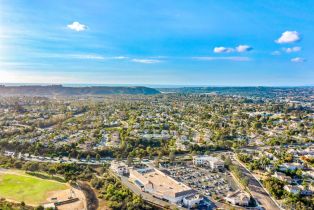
97,157
257,125
298,172
30,166
23,205
228,162
172,156
39,208
245,182
156,162
275,187
130,160
207,152
160,154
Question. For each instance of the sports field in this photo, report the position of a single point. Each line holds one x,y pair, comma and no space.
21,187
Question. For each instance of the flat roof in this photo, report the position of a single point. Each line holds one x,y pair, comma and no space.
161,183
208,158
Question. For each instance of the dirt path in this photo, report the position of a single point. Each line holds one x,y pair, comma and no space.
91,198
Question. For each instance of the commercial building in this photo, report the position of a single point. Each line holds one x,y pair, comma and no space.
210,161
160,185
192,200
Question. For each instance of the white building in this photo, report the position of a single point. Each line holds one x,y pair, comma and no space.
290,166
238,198
283,177
9,153
160,185
292,189
205,160
119,168
192,200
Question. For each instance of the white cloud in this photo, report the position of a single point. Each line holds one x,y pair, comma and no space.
120,57
81,56
146,61
223,50
97,57
243,48
87,56
76,26
276,52
230,58
288,37
240,49
298,60
292,49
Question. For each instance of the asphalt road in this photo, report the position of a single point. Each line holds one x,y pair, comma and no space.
259,194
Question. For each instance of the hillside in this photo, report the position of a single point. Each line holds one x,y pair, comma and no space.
64,91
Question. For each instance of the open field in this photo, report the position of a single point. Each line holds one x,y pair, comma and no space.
17,186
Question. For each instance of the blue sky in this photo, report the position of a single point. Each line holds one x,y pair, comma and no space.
157,42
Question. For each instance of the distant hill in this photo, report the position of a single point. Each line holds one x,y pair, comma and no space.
50,90
243,91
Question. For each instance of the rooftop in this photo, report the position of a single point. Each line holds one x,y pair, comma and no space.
161,183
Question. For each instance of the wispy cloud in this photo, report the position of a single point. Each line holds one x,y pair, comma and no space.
229,58
239,49
8,64
83,56
120,57
97,57
86,56
145,61
223,50
277,52
76,26
243,48
288,37
292,49
298,60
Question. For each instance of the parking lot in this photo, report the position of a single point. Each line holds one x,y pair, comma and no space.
207,182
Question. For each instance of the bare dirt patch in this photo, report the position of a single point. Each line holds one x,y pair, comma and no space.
57,196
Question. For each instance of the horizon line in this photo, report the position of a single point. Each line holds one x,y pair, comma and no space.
144,85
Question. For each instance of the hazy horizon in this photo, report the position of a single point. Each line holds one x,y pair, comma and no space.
145,85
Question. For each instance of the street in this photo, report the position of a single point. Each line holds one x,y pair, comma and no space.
259,194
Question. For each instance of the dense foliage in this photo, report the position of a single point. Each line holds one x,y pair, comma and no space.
118,196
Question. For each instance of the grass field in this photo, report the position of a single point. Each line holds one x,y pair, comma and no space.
31,190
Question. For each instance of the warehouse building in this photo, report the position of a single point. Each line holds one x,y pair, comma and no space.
160,185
